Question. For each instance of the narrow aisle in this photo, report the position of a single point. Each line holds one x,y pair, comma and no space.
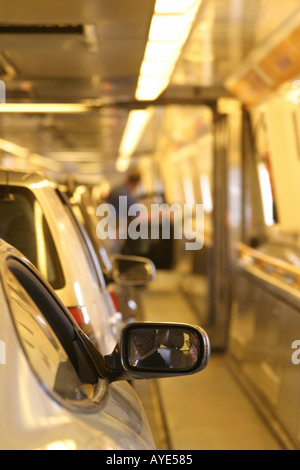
206,411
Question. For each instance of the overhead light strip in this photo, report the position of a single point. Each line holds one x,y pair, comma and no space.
43,108
135,127
32,158
173,6
170,27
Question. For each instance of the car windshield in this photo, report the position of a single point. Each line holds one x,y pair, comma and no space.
23,225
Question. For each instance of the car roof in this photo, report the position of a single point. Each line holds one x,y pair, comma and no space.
22,178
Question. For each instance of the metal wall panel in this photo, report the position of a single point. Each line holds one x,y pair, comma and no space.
263,328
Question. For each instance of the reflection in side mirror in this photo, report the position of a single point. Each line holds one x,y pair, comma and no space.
132,270
173,348
153,350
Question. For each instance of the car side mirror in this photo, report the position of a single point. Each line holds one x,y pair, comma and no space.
156,350
132,270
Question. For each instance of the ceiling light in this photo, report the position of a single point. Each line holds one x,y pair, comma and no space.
136,124
123,164
14,149
149,88
162,51
169,30
135,127
169,27
174,6
44,162
154,68
43,108
34,158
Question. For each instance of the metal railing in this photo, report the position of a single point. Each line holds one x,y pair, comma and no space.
278,269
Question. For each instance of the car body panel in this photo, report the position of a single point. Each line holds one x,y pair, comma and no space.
85,209
82,288
32,419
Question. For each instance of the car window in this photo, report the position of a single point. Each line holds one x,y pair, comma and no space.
78,212
77,221
100,246
48,339
23,225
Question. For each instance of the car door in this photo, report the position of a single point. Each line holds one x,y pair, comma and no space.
33,220
115,318
52,396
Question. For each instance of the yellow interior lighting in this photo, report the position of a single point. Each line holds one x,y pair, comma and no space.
173,6
153,68
149,88
135,127
43,108
170,27
137,121
123,164
162,51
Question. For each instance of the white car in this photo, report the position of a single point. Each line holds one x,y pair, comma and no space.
35,219
57,391
126,297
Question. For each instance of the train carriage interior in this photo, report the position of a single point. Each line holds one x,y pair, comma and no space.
199,101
